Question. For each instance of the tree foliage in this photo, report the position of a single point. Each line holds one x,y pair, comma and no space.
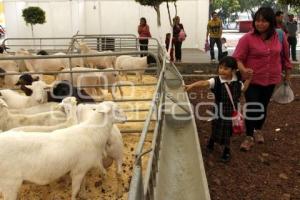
295,3
226,7
251,6
156,5
34,15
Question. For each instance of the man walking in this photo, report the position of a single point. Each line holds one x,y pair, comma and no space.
279,21
214,31
291,27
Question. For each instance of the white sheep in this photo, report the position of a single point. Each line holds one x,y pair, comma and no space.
99,61
41,65
9,120
8,65
44,157
16,100
132,63
76,62
69,106
49,106
92,78
114,146
8,81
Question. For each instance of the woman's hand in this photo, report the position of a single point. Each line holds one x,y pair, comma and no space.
287,76
188,87
247,73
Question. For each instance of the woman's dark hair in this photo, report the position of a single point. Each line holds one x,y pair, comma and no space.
268,14
228,61
144,19
278,13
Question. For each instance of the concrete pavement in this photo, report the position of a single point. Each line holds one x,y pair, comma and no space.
232,37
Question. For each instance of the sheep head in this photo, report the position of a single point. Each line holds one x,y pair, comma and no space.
118,115
3,104
39,93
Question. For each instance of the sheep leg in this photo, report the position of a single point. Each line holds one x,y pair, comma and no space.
140,77
121,91
82,192
76,183
99,92
112,93
119,178
91,91
10,189
102,168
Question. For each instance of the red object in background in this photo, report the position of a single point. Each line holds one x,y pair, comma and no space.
238,126
245,26
2,31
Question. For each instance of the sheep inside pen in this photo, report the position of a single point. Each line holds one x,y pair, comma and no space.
94,184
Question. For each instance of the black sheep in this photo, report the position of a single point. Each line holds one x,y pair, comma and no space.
59,91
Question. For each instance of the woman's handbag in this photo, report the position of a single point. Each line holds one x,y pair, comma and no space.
238,125
206,46
283,93
181,35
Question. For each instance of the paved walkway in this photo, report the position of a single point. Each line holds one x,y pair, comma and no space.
199,56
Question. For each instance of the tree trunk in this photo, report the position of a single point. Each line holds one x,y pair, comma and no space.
158,15
32,34
171,28
175,5
158,23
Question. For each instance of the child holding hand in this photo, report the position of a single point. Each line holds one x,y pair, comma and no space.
222,122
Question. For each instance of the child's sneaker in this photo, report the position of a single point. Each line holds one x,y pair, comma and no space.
247,144
259,138
226,155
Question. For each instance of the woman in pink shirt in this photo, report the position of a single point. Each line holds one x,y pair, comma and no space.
144,33
262,54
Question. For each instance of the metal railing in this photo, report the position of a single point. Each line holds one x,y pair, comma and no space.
141,186
99,42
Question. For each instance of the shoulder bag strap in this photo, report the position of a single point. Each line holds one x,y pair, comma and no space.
230,96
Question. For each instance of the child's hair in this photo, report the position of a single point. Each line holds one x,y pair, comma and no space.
228,61
168,35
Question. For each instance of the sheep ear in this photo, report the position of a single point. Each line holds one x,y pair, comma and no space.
36,78
29,86
74,100
103,109
3,103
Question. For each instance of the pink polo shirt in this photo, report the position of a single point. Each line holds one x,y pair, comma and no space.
263,57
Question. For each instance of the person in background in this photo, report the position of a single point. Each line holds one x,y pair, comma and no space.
222,122
258,54
144,33
224,47
292,28
167,42
214,31
177,27
279,21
